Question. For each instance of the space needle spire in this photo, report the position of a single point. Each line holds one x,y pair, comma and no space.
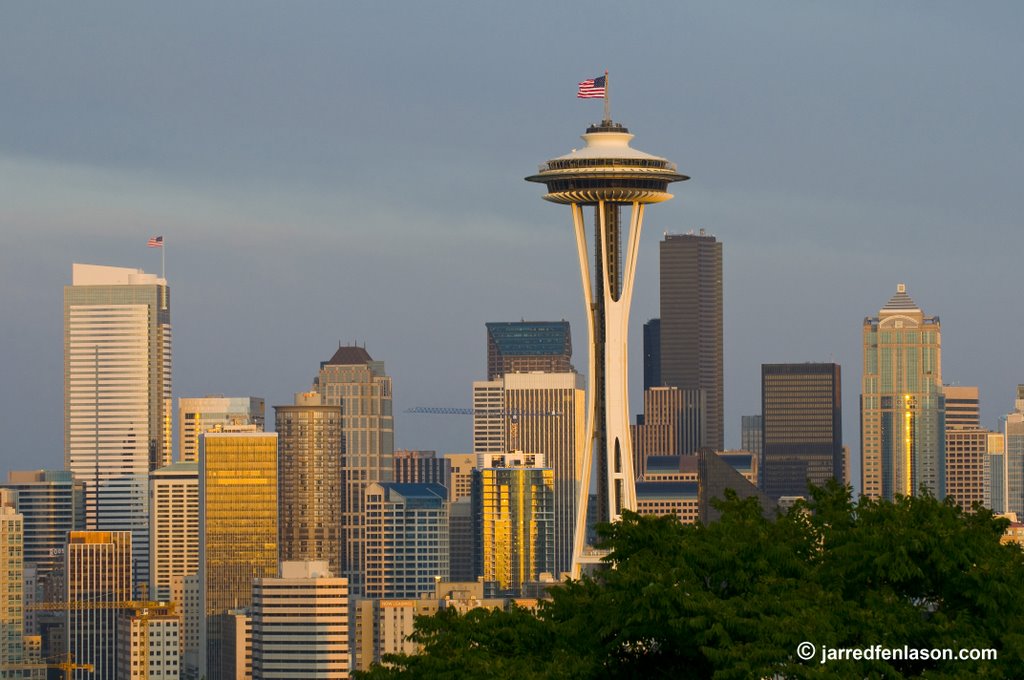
608,175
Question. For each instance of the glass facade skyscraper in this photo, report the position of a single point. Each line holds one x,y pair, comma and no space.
527,346
902,405
117,395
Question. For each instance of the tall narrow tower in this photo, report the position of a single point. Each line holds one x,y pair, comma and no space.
607,174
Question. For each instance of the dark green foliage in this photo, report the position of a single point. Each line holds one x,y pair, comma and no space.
735,598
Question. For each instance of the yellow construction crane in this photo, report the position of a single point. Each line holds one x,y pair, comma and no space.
144,611
67,666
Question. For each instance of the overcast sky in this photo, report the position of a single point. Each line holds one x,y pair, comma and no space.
353,172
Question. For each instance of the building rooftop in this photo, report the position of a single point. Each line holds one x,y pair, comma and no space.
531,338
901,302
350,355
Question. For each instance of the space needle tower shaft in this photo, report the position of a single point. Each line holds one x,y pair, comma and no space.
610,176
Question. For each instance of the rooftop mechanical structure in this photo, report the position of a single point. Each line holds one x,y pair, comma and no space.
608,175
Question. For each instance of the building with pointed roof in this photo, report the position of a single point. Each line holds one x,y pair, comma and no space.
902,404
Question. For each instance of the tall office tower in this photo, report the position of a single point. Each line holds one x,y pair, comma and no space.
353,380
423,467
995,473
691,322
967,461
98,569
673,424
802,417
541,413
462,465
300,624
514,512
902,415
528,347
237,531
212,414
963,406
462,539
406,538
1013,460
117,395
488,417
309,480
12,614
148,642
652,354
173,526
608,175
52,503
751,431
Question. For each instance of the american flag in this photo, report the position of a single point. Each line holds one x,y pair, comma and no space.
156,242
591,89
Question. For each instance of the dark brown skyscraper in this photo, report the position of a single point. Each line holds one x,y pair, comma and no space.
691,322
803,429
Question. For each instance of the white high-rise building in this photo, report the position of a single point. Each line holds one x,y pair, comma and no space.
174,526
117,395
300,623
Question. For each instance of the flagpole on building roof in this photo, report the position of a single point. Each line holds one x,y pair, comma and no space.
607,103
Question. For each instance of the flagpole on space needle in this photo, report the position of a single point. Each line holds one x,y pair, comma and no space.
607,102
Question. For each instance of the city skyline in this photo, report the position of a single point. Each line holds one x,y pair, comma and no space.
842,155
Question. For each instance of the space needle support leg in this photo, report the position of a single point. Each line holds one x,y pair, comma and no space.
584,444
626,299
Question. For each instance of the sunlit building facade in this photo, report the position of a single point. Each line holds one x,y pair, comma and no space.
117,395
173,526
197,415
514,512
902,410
237,530
1013,461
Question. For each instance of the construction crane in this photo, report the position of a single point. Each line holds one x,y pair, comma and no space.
455,411
67,666
145,610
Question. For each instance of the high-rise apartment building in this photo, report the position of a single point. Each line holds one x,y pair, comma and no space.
967,465
237,530
300,624
514,512
98,569
902,413
1013,461
212,414
527,347
117,395
406,538
652,354
52,503
673,424
691,322
802,420
540,413
173,526
12,601
423,467
309,480
353,380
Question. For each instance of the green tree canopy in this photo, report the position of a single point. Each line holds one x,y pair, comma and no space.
734,599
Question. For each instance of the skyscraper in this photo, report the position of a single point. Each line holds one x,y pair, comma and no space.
513,507
963,406
353,380
540,413
751,435
528,346
237,531
802,417
52,503
406,539
673,424
652,354
309,480
117,395
12,602
98,570
174,526
607,174
691,322
300,624
423,467
902,414
212,414
1013,460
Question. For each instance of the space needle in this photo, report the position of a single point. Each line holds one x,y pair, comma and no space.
608,174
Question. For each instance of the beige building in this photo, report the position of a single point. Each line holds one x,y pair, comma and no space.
214,413
237,531
148,644
300,624
902,439
462,475
968,457
173,526
673,424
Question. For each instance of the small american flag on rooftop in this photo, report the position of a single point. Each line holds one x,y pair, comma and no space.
156,242
592,88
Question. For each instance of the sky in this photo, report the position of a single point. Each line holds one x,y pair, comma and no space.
352,172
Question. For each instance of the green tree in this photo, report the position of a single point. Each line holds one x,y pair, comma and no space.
735,598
